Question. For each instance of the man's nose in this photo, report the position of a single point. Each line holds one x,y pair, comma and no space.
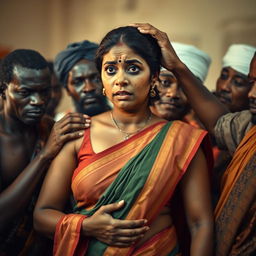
88,85
37,99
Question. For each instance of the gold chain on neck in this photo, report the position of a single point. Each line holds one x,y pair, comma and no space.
127,135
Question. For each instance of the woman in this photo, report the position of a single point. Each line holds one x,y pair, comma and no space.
124,172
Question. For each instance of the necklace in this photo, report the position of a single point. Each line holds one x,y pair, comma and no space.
127,135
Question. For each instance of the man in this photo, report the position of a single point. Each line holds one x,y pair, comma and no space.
173,103
232,86
235,213
25,152
232,89
76,70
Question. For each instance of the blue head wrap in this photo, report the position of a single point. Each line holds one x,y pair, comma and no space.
67,58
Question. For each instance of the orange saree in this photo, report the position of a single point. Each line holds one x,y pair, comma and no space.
144,172
235,213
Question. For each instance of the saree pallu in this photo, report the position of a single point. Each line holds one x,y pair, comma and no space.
235,213
144,172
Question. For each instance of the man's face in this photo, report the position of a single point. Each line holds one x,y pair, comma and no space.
173,104
28,94
85,87
252,93
232,89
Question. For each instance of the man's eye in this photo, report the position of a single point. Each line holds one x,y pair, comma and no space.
224,76
78,81
23,92
165,83
251,82
110,70
239,82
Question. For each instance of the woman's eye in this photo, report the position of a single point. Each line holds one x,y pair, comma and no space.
133,69
110,70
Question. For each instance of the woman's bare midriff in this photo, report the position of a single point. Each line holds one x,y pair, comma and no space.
162,221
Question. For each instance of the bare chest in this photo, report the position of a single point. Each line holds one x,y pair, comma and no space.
15,154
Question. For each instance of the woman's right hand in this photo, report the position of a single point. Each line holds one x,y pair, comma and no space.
114,232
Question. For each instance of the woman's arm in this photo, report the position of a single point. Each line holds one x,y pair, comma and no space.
55,193
195,189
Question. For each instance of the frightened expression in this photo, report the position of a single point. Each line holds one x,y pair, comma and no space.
126,78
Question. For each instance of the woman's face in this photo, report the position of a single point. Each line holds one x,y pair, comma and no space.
126,78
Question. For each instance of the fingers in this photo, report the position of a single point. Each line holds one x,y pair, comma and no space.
72,118
111,207
123,237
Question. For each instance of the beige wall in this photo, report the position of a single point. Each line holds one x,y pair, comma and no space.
49,25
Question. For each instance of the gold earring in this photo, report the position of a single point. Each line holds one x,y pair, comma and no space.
104,91
152,92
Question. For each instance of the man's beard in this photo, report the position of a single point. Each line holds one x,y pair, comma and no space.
92,109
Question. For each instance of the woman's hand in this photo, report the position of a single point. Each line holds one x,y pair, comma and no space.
170,59
114,232
70,127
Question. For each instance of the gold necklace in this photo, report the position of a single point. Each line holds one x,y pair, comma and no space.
127,135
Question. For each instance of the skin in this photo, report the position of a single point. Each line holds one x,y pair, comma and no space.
252,93
198,95
85,88
26,97
173,103
127,80
232,89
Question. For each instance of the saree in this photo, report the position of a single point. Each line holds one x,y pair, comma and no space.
235,213
144,172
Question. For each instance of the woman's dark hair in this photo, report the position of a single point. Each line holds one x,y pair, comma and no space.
143,44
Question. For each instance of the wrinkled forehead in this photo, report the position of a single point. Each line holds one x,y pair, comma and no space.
120,53
23,74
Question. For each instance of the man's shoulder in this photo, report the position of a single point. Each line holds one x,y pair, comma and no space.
238,121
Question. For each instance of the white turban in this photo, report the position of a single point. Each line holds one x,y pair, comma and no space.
196,60
238,57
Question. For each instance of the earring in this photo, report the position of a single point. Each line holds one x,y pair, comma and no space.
152,92
104,91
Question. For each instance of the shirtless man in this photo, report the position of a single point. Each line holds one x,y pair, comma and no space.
25,152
